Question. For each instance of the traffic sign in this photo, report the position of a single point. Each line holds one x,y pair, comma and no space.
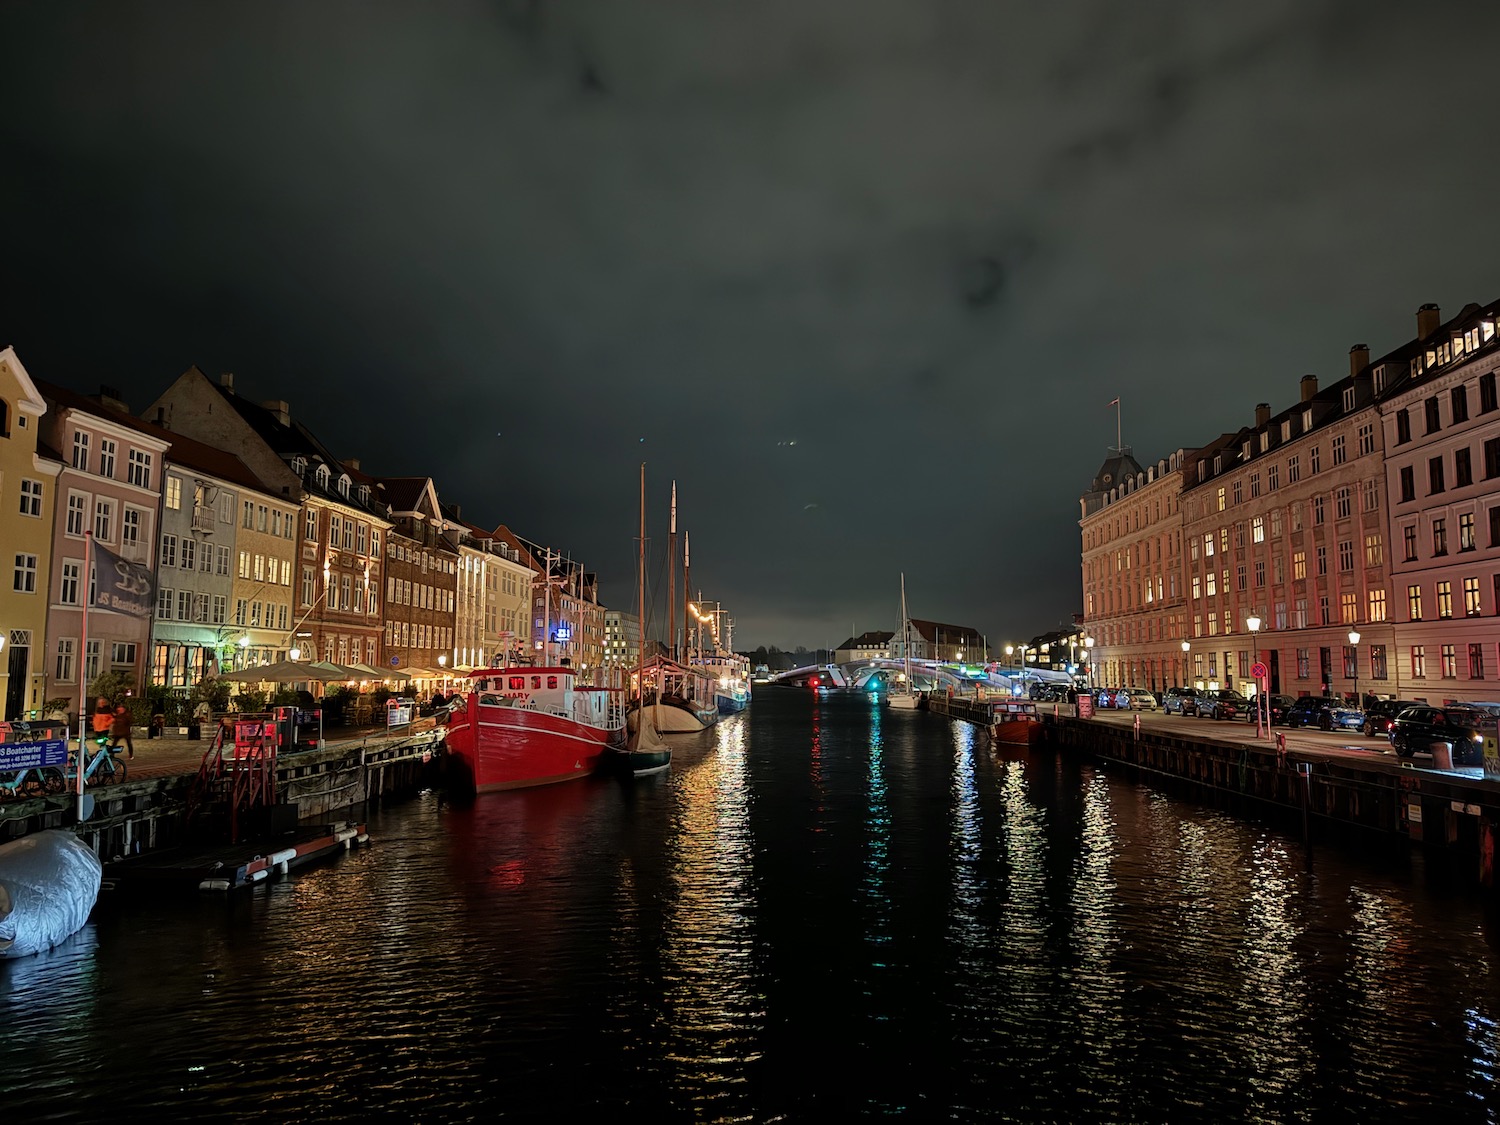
1259,670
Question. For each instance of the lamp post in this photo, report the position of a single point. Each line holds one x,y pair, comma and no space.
1186,648
1010,650
1088,648
244,650
1253,624
1354,655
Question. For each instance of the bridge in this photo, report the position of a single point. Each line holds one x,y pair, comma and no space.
878,675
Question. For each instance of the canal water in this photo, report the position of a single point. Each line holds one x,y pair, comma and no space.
823,911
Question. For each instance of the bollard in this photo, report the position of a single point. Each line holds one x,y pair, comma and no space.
1138,726
1442,755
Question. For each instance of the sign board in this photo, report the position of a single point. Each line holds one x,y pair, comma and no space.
1491,756
1085,706
397,714
252,733
1259,670
33,755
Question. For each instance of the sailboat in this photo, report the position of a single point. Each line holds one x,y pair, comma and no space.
904,698
646,752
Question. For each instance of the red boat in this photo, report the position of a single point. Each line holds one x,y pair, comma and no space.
1014,722
517,727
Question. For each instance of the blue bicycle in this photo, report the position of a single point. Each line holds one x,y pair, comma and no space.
102,765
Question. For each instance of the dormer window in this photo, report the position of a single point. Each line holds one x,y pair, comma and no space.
1349,398
1307,420
299,466
1286,429
1265,440
1378,379
1245,450
343,485
321,475
1487,330
364,494
1218,464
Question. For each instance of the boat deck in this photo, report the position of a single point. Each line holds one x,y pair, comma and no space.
228,867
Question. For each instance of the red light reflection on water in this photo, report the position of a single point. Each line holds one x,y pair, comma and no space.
509,875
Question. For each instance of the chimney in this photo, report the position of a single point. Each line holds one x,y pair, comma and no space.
458,513
281,409
1309,387
1262,413
1359,358
110,397
349,462
161,417
226,381
1429,316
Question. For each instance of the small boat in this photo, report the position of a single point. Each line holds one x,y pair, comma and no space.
1014,722
682,699
518,727
904,698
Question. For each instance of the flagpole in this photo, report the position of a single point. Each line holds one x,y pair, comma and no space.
83,659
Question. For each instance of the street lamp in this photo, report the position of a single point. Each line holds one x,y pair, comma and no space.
1186,647
1354,645
244,650
1253,624
1088,645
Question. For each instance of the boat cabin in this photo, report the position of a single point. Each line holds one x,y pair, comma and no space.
542,689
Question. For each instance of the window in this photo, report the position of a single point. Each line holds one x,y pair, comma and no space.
1418,662
1367,438
1450,663
1445,599
1238,491
1260,573
67,592
1315,459
1377,605
1346,555
1377,662
1304,663
1293,469
200,607
139,471
1495,526
348,535
1318,510
333,530
1257,530
1487,392
80,450
1341,505
1414,603
65,653
1351,654
1476,662
1374,556
1408,484
1273,477
163,603
1463,468
359,538
77,513
1338,450
1321,555
221,560
1472,607
169,550
189,553
1434,475
25,576
240,610
106,458
1403,426
173,499
261,515
1439,537
104,514
310,526
1431,408
1466,540
260,568
244,569
31,497
1255,484
1348,608
1299,564
221,608
1460,404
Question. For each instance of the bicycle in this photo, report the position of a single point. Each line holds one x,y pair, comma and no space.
102,767
39,781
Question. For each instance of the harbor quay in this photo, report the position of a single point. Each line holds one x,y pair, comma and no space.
1319,784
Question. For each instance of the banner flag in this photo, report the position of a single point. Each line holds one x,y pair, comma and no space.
122,586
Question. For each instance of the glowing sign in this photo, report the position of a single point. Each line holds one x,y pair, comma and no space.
563,633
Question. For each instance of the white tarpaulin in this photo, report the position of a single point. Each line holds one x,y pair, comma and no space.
48,884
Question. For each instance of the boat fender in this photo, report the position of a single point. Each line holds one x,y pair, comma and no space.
257,876
214,885
282,856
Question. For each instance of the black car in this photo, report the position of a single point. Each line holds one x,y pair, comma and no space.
1279,705
1417,728
1381,714
1200,703
1226,703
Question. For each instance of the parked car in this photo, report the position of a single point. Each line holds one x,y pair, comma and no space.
1226,703
1200,704
1139,699
1380,715
1323,712
1112,699
1279,705
1173,698
1417,728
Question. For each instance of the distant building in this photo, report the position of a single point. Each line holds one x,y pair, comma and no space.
875,645
622,637
933,640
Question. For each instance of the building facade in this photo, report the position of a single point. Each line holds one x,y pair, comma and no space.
28,495
1134,608
109,488
1441,422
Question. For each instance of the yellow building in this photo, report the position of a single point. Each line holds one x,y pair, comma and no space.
28,486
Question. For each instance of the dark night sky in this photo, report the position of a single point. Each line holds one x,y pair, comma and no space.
521,247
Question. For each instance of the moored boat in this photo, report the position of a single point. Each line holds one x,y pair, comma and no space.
1014,722
518,727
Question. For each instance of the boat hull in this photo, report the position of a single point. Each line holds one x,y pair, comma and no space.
1021,732
515,748
902,701
731,704
672,719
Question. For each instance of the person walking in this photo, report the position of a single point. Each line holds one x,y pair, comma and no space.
104,717
120,729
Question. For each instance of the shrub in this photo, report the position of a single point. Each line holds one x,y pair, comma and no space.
250,700
116,685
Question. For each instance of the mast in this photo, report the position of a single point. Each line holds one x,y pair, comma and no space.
905,631
671,574
640,633
687,601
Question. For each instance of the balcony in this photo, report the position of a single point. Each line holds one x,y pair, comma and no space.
203,519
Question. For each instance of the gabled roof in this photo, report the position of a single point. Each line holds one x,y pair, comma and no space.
875,638
215,462
30,396
71,400
928,631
